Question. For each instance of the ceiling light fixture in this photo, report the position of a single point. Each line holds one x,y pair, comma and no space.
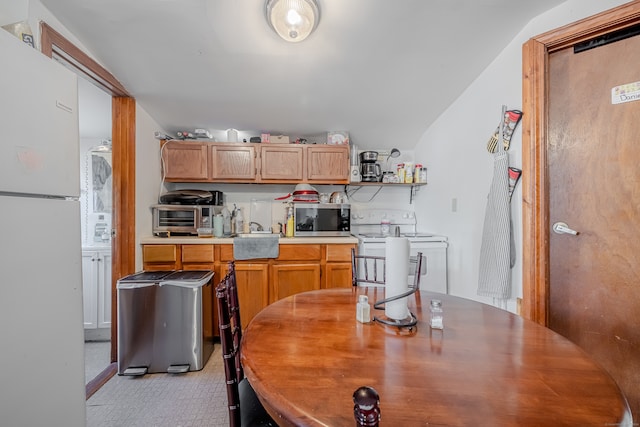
293,20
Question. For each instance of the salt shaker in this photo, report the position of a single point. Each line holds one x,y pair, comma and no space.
363,310
436,317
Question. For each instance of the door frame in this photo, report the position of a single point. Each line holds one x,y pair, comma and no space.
535,178
123,108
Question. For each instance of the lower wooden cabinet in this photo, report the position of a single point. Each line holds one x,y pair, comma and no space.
161,257
253,294
298,268
337,266
290,279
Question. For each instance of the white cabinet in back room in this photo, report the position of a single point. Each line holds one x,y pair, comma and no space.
96,288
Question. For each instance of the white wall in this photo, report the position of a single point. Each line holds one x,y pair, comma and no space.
147,175
459,165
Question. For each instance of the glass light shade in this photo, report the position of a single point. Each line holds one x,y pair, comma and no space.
293,20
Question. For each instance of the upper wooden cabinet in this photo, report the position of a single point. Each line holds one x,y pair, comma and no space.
281,161
232,162
185,160
328,163
201,161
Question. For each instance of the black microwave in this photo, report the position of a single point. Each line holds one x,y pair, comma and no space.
322,219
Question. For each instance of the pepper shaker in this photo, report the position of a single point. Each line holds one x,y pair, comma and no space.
366,409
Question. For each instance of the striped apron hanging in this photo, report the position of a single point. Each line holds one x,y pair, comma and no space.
495,252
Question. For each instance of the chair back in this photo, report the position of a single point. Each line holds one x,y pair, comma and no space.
367,269
370,269
230,338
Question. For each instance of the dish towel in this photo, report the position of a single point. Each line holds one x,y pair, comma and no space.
256,247
495,253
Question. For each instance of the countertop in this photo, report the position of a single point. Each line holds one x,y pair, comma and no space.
195,240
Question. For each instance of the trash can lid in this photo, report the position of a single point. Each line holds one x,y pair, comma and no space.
187,278
146,276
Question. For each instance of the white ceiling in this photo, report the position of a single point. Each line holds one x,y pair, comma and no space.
382,70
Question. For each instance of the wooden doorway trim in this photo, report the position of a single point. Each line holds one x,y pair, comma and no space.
535,196
55,46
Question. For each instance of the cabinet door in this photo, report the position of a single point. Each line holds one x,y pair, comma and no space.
328,163
252,280
185,161
104,288
197,255
89,289
160,257
279,162
338,275
290,279
233,162
338,267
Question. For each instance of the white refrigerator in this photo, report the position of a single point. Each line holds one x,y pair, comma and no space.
41,320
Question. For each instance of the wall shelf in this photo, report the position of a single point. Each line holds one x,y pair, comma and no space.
414,187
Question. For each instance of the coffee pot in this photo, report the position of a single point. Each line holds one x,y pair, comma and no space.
370,170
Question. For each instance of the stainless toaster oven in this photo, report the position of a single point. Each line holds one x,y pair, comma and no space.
182,219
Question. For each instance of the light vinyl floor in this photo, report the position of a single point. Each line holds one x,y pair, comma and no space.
192,399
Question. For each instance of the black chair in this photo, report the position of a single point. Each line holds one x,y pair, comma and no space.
244,407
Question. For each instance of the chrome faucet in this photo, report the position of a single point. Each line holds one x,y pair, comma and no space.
258,226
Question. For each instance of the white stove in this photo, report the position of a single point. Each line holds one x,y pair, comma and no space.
366,226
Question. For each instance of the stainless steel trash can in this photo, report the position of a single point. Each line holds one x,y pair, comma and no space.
160,322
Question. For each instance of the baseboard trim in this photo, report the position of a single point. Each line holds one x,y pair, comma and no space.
101,379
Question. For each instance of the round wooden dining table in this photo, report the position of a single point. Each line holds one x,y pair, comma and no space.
305,355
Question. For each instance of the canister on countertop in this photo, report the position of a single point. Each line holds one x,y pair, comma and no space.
218,225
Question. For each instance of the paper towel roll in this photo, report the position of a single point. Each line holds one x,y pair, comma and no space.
397,271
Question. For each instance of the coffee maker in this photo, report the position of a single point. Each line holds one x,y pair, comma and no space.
370,170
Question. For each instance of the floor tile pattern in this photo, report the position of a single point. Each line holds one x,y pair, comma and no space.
194,399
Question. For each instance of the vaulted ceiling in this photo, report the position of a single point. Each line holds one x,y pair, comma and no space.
382,70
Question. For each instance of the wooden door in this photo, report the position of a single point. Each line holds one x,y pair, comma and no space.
278,162
338,266
185,161
328,163
252,280
338,275
161,257
582,163
290,279
233,162
593,159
